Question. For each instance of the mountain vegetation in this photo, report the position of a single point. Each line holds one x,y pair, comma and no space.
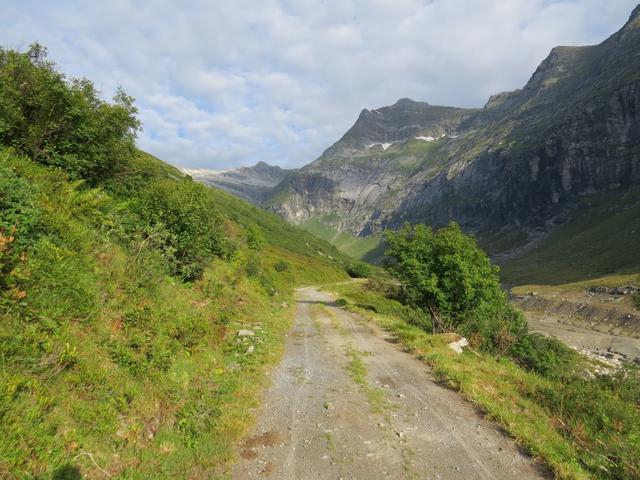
127,291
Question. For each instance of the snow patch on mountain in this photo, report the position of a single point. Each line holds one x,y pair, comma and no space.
383,145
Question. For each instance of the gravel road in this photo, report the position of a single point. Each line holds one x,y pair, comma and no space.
347,403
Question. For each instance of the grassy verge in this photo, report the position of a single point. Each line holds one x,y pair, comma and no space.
580,428
163,398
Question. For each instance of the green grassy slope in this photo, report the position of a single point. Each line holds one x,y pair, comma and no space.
112,364
277,231
345,242
124,290
245,215
601,238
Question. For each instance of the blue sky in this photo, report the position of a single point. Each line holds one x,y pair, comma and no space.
221,84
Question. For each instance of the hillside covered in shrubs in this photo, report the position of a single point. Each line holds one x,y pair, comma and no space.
123,285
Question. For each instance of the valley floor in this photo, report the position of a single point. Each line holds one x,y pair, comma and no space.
348,403
595,316
598,343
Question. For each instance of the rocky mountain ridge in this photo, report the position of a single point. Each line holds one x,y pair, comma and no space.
253,184
519,163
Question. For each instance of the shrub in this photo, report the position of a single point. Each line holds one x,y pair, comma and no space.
255,238
60,283
358,270
281,266
543,355
188,213
253,267
62,122
154,254
19,222
448,275
385,288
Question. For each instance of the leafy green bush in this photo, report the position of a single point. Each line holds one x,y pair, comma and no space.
62,122
255,238
493,326
358,270
447,274
19,221
543,355
195,231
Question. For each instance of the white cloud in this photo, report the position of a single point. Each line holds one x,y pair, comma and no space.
221,84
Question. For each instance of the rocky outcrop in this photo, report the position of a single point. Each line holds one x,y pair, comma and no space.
368,166
522,161
402,120
572,131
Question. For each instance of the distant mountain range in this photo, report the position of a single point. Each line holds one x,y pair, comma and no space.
514,168
254,184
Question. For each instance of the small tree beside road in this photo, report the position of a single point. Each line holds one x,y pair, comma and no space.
445,273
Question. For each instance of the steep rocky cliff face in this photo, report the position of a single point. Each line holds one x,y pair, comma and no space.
572,131
521,162
359,181
250,183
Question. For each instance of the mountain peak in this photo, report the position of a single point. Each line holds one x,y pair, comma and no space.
406,101
634,21
262,164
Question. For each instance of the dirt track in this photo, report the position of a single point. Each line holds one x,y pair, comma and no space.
346,403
